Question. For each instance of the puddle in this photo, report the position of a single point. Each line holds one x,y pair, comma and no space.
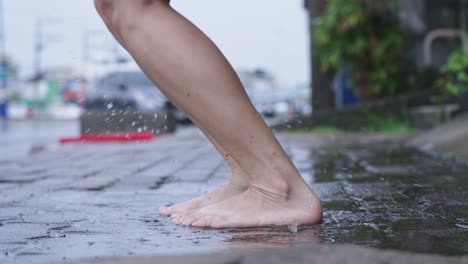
389,197
374,202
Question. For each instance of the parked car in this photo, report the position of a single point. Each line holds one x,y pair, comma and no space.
282,102
130,90
125,90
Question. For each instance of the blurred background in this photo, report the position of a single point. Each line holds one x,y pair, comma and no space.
58,61
330,65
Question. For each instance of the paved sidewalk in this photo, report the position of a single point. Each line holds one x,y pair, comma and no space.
87,201
312,254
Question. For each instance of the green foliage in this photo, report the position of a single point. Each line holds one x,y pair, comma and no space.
389,124
454,78
365,37
315,130
395,123
15,96
325,130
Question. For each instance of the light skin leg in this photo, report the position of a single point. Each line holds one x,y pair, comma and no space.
238,182
194,74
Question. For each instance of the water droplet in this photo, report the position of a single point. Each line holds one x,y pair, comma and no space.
109,105
139,130
293,227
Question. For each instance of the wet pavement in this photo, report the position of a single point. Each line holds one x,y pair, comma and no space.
18,138
85,201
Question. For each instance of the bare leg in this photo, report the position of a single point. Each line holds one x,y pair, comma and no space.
238,182
194,74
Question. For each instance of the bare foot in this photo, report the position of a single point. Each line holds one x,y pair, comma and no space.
257,207
210,198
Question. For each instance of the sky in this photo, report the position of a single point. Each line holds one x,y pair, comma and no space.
271,34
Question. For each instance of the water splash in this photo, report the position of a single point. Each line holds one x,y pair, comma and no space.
293,227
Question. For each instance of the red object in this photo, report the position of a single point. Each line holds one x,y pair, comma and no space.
112,137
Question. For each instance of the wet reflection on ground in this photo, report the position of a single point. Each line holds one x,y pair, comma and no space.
18,138
65,204
385,196
389,196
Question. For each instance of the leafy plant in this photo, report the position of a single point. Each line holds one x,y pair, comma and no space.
315,130
388,124
454,78
366,38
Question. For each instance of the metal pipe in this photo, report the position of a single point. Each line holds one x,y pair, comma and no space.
3,57
442,33
2,30
38,48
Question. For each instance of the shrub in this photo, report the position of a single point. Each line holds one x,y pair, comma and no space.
366,38
454,79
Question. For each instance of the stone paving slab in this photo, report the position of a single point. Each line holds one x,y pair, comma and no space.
90,200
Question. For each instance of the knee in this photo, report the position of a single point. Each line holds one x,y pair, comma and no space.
121,15
105,8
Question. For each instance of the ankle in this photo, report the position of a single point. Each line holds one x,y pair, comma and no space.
277,188
288,185
239,180
238,186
